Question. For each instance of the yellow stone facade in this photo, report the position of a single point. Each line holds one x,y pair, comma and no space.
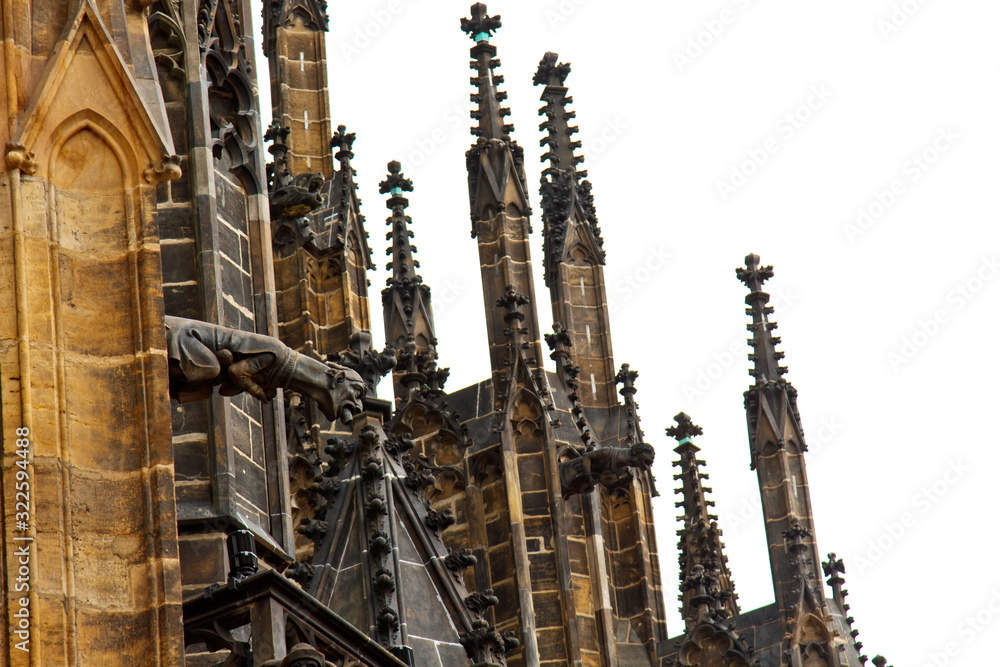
82,352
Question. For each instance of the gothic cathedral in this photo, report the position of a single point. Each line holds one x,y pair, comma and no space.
197,468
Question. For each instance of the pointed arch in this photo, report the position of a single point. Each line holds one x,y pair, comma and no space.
88,120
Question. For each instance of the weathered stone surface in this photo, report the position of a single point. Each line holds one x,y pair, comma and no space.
86,303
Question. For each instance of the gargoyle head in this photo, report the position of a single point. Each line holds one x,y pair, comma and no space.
642,455
346,390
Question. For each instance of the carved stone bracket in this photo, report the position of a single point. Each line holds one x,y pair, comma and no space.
19,157
167,169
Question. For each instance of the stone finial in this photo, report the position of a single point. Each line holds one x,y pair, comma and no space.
626,378
403,265
685,428
483,644
550,71
395,183
489,113
481,26
512,301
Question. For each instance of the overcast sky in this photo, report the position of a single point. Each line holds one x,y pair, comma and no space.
853,145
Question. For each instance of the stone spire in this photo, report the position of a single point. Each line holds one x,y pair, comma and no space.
406,300
295,46
566,197
348,228
777,449
403,264
574,250
700,540
498,204
708,598
711,639
489,114
771,393
833,568
346,317
626,378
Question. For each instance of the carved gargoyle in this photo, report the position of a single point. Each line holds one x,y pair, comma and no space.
204,355
607,466
370,364
290,204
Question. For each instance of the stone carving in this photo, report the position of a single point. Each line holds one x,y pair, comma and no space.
370,364
232,100
301,655
481,25
438,522
292,198
204,355
19,157
608,466
166,37
484,645
458,561
711,639
560,342
206,17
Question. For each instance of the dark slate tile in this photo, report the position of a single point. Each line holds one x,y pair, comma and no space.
452,655
232,281
407,551
247,291
178,261
245,254
535,503
177,118
203,560
424,652
257,446
240,428
181,301
501,564
230,315
175,223
191,461
548,609
349,597
189,417
229,243
425,613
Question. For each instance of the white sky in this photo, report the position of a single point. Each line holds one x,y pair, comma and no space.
661,135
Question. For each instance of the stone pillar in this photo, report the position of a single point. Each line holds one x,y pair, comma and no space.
83,367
